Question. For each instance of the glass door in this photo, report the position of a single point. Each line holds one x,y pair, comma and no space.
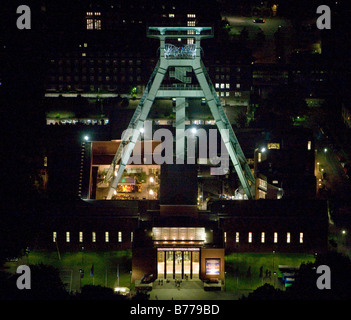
160,264
178,264
187,262
196,264
169,264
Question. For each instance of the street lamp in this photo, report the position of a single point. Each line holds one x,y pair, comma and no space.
273,270
86,138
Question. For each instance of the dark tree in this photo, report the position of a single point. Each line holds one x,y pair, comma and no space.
46,284
90,292
266,292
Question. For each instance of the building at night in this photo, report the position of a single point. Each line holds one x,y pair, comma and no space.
159,211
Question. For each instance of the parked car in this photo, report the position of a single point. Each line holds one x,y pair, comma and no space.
259,20
147,278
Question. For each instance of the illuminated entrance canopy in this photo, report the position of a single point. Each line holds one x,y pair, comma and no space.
178,249
182,234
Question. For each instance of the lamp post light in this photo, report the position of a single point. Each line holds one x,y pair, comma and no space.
343,239
273,270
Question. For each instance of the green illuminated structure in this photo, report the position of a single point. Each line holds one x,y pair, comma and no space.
181,60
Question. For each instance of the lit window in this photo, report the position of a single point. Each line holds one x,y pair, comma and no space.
67,237
54,236
225,237
90,24
131,237
97,24
171,15
98,13
262,237
237,237
262,184
80,236
191,23
309,145
85,45
227,94
119,236
273,145
275,240
89,13
275,181
301,237
84,54
94,236
191,15
250,237
259,157
238,85
222,85
261,194
288,237
217,85
107,238
227,85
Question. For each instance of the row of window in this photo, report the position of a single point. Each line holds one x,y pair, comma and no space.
78,79
96,61
224,85
93,70
92,236
287,237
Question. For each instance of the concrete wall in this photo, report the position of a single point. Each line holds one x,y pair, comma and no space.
144,261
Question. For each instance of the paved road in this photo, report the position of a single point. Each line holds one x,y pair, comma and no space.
270,26
189,290
264,53
335,179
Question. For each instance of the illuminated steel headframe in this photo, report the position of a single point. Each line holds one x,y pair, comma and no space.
182,59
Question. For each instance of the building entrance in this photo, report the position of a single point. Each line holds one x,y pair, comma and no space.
178,263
